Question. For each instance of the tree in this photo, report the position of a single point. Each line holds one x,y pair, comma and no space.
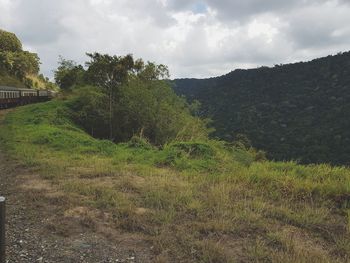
89,109
13,60
152,71
9,42
24,63
123,97
68,74
19,64
109,72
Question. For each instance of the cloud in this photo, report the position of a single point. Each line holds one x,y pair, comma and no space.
195,38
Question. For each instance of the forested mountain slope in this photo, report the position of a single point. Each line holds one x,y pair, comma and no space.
296,111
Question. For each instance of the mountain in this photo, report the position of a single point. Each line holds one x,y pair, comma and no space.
297,111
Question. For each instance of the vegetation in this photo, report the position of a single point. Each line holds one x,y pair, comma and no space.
117,97
196,201
298,111
9,42
119,141
18,67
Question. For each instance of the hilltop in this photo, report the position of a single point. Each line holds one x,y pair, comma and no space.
20,68
296,111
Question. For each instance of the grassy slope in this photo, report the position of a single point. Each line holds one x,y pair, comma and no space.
6,80
214,206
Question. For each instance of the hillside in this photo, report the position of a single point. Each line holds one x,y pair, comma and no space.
7,80
297,111
201,201
20,68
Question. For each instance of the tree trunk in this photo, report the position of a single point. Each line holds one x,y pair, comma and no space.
111,115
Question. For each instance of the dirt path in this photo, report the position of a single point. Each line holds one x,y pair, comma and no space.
44,226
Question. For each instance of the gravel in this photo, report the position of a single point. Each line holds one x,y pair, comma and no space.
31,236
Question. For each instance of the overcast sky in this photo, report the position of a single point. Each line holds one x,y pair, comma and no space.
194,38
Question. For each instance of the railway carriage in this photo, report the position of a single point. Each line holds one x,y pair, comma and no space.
11,97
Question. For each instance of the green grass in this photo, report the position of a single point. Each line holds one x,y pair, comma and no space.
196,201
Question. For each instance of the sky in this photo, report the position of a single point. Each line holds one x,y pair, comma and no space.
194,38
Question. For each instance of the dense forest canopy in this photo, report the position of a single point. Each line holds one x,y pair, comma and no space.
298,111
118,97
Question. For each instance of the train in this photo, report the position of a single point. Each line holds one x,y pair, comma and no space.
13,97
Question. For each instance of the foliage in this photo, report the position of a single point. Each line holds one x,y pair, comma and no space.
197,201
7,80
297,111
19,64
22,66
9,42
118,97
139,142
68,74
90,110
40,82
149,109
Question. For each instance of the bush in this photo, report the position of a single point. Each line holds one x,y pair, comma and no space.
139,142
150,108
189,155
194,149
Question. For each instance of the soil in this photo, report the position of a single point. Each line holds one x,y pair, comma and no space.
45,226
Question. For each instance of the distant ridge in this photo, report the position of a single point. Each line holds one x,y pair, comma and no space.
295,111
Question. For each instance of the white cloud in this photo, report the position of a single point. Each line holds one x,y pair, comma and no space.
194,38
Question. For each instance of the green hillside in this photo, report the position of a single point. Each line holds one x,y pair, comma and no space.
19,68
297,111
199,201
7,80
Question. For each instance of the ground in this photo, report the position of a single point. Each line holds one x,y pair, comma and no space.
42,227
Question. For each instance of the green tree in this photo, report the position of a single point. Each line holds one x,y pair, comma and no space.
68,74
24,63
9,42
89,109
19,64
109,73
123,97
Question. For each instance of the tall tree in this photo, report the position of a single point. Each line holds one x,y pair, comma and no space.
110,72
